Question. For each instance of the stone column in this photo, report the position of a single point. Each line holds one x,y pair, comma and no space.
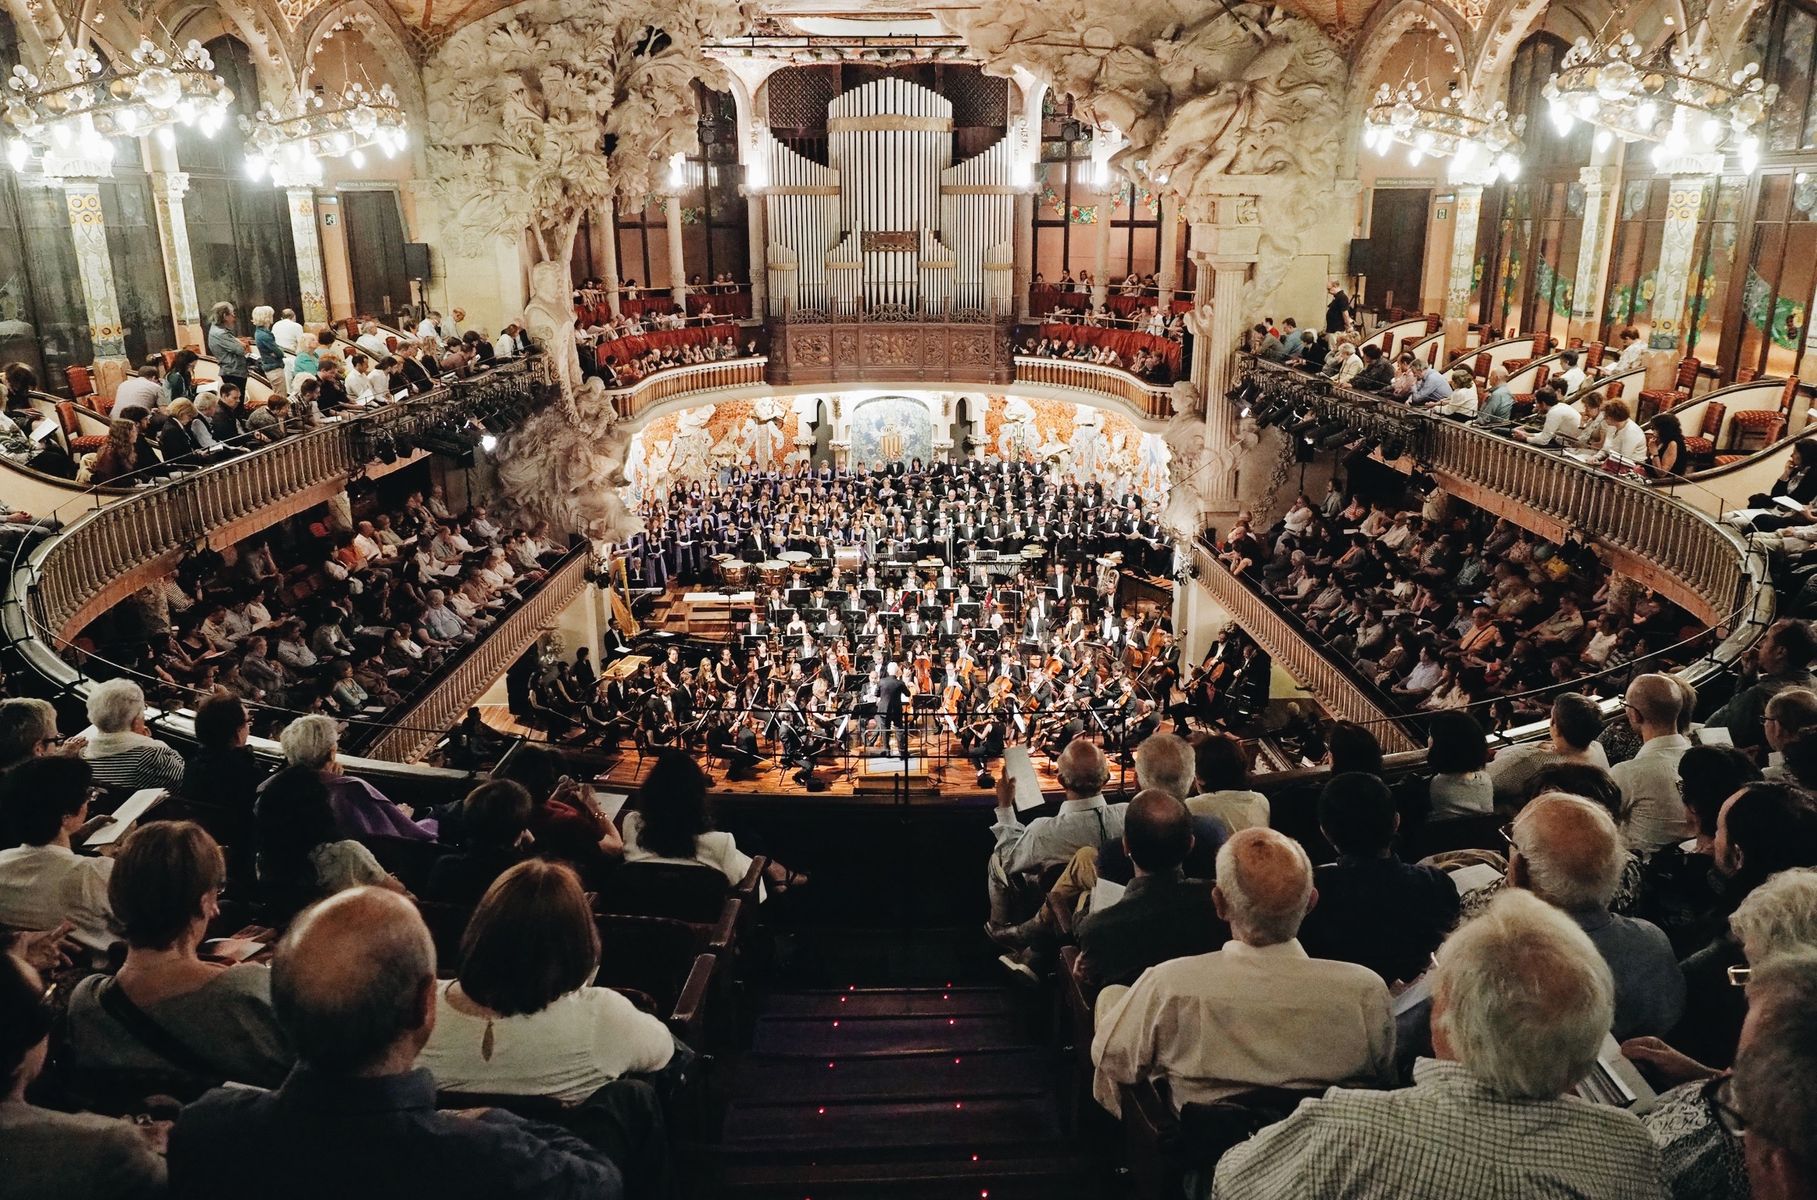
758,238
1167,275
310,280
167,191
1589,292
1460,281
678,267
82,197
1100,263
1025,252
606,225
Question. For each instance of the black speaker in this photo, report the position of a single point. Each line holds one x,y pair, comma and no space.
1362,256
416,259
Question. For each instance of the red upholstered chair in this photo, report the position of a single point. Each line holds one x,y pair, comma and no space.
1700,447
1655,400
79,442
1746,375
1542,345
1765,424
1481,370
1434,322
81,383
1593,356
1612,392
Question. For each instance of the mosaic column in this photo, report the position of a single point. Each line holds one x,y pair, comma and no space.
1100,263
167,191
1677,259
1460,281
96,269
678,267
310,279
1602,191
1167,276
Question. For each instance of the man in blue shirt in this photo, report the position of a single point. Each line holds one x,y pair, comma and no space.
353,985
1432,387
1497,411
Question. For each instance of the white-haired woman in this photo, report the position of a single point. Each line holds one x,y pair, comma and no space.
120,748
265,344
360,810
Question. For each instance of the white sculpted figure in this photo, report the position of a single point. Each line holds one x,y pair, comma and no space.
1018,434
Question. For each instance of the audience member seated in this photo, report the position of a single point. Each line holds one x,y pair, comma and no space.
1085,819
1653,811
119,747
1681,892
223,775
1575,724
1770,1097
167,1009
495,835
1223,778
1374,909
564,821
521,1018
1257,1013
1566,850
1521,1003
360,810
1162,914
673,822
301,854
52,1155
1456,752
43,882
28,729
354,986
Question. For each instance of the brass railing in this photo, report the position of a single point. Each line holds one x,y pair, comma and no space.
92,563
695,378
1695,559
414,729
1148,400
1342,696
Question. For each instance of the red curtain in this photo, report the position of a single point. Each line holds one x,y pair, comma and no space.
1124,341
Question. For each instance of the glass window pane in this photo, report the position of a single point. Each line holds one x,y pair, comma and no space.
1791,69
134,248
50,253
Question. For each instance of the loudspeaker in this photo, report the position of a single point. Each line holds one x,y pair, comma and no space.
416,260
1362,256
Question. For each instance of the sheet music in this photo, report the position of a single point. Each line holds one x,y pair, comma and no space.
1476,875
1021,770
1105,894
130,810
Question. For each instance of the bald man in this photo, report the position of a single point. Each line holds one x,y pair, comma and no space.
1653,812
1257,1013
353,984
1567,851
1084,819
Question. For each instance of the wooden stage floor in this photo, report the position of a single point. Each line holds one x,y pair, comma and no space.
947,780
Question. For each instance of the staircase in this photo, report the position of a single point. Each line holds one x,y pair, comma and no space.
899,1092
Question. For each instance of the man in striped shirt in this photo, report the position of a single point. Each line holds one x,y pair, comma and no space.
120,749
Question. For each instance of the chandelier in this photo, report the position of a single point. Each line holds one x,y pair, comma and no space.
1441,127
89,101
1675,96
290,147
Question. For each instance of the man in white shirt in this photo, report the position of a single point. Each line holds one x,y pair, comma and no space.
430,327
1576,724
1520,1004
1561,424
357,381
1653,811
1571,376
42,881
1257,1013
288,332
1622,437
506,346
1084,819
372,342
1633,352
141,390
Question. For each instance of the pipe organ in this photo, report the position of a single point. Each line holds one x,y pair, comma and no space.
891,225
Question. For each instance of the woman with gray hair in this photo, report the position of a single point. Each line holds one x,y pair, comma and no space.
265,343
120,748
225,347
360,810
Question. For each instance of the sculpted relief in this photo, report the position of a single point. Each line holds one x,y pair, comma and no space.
1209,97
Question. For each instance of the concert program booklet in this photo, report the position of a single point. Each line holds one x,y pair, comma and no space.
1021,770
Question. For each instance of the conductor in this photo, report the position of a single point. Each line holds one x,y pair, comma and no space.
892,695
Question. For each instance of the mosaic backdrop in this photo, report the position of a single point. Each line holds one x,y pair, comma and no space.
1088,442
892,429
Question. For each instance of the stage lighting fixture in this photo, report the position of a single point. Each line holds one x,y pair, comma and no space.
488,442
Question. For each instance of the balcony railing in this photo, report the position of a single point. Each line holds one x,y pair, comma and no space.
1680,551
1343,697
415,729
100,556
695,379
1146,399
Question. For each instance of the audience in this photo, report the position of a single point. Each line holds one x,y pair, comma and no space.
1374,909
301,854
1258,1012
1567,851
354,987
1574,726
51,1155
166,1008
520,1017
43,882
120,749
673,822
1769,1098
1653,812
495,835
1520,1004
360,810
1225,793
1085,819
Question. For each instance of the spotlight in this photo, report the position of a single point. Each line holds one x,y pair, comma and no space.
488,443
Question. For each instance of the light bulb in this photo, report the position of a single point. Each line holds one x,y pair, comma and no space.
358,159
1465,154
1710,130
1414,157
255,167
18,153
1661,156
1510,167
1645,113
1603,139
167,139
488,443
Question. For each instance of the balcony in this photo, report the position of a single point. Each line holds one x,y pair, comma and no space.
1146,400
